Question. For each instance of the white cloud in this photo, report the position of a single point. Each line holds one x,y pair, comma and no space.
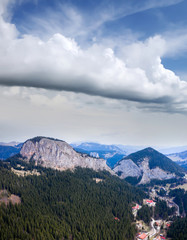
135,72
59,63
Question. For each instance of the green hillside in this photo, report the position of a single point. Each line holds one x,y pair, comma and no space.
67,205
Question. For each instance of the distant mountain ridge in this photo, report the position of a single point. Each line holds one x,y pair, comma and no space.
13,144
146,165
111,153
7,151
177,157
89,146
171,150
180,158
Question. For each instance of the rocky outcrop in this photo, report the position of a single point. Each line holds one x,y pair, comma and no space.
146,165
155,173
127,169
59,155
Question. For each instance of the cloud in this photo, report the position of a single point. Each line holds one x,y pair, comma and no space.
59,63
29,112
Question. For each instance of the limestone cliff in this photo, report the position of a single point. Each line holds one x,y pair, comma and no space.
148,164
59,155
127,168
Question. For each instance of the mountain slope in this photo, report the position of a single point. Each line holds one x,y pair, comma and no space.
148,164
67,205
57,154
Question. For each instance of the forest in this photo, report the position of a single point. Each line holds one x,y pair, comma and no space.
177,231
145,214
67,205
162,211
180,198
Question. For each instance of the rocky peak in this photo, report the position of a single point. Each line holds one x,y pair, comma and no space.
57,154
149,149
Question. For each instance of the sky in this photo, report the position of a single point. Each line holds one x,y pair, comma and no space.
104,71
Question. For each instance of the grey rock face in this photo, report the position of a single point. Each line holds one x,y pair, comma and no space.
155,173
59,155
127,168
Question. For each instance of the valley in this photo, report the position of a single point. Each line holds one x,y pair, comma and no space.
64,194
157,226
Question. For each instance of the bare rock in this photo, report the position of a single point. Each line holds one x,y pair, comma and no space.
59,155
127,168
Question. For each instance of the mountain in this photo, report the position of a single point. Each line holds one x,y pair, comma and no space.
171,150
7,151
146,165
9,144
90,146
57,154
115,152
180,158
129,148
111,153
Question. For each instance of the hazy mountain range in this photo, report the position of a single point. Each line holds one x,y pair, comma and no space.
9,144
111,153
7,151
143,166
114,153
